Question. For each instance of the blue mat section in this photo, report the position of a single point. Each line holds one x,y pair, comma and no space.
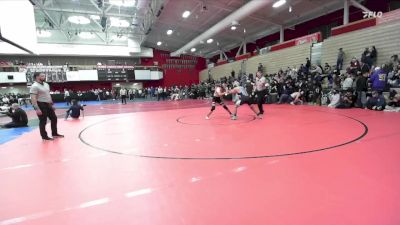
9,134
63,105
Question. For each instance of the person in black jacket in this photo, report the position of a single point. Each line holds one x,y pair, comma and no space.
373,55
362,86
308,64
18,116
346,101
75,110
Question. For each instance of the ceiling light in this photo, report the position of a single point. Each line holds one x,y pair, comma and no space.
186,14
43,33
95,17
193,49
115,22
159,43
233,27
78,20
119,38
169,32
209,41
279,3
123,3
86,35
290,8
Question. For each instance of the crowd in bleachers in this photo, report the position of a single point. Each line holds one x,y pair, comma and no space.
6,100
362,84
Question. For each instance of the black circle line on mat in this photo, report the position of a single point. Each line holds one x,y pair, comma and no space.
228,158
219,124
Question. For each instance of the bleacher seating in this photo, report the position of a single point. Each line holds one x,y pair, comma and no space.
272,62
222,70
384,37
281,59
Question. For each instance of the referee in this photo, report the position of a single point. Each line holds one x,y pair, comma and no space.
261,91
43,105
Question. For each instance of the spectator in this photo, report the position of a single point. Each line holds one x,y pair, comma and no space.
327,68
394,104
336,79
18,116
6,100
346,101
316,70
308,64
260,68
340,58
292,98
67,97
160,93
394,77
373,55
348,82
394,62
295,97
131,94
379,78
365,56
376,102
334,98
123,93
362,88
354,66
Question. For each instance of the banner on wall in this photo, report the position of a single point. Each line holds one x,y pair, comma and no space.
312,38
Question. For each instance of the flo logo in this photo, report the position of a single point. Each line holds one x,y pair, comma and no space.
372,14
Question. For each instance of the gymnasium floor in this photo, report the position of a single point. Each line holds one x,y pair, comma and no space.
163,163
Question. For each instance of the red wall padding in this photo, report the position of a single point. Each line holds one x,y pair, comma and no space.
175,76
354,26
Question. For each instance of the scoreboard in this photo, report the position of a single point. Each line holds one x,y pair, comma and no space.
116,73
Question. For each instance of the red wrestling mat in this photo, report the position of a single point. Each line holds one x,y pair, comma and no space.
299,165
186,134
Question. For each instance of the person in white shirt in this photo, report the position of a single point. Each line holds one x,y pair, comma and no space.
295,97
334,98
347,83
316,69
6,100
43,104
175,94
131,94
160,93
123,92
67,97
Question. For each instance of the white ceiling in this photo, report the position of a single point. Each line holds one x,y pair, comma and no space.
149,29
57,12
